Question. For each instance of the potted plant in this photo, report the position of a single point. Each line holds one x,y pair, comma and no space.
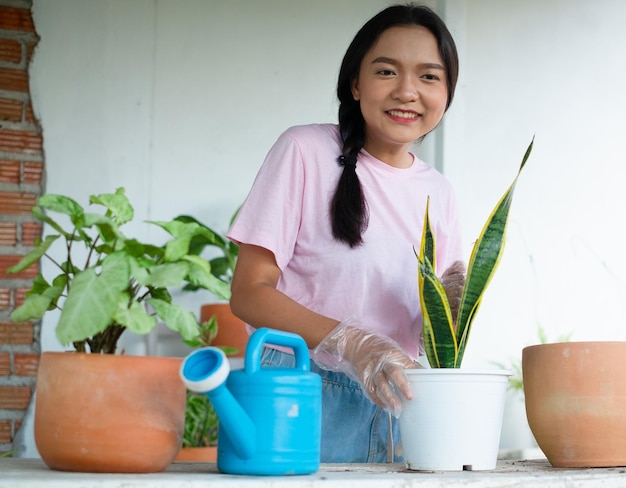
231,333
104,285
445,394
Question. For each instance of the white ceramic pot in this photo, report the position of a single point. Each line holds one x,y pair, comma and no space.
453,421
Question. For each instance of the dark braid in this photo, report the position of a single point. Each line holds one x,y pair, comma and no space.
348,210
348,206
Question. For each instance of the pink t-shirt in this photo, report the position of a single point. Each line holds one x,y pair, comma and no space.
287,212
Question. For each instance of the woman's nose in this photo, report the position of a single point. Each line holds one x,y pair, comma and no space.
406,90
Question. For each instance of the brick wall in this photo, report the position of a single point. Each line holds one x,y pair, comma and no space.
21,182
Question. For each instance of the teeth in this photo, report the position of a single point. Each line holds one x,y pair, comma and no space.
404,115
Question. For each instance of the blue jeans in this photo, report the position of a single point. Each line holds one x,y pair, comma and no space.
354,430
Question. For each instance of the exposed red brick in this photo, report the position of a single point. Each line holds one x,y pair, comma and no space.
10,110
29,116
20,141
30,232
9,171
5,299
8,234
15,397
33,172
5,431
18,19
19,295
25,364
13,80
10,51
5,364
17,203
16,333
8,261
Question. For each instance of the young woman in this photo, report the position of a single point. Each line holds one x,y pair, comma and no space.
328,231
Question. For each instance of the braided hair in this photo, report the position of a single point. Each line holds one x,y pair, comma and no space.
349,213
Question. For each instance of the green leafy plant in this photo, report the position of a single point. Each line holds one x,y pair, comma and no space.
107,282
222,265
444,338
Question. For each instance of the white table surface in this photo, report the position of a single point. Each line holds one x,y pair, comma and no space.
26,473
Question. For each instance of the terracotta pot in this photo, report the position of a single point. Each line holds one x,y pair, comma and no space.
231,331
576,402
198,454
108,413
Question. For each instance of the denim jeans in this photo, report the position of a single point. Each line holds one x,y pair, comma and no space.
354,430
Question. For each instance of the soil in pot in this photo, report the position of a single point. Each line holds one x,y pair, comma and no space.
576,402
108,413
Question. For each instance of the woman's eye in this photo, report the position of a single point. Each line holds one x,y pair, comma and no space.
385,72
430,76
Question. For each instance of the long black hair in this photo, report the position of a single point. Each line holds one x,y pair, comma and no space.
349,214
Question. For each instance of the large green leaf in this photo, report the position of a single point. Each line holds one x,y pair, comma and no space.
33,256
135,318
117,204
176,318
200,275
162,275
39,299
93,299
61,204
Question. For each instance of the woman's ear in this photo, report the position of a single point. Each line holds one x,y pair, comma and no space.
354,88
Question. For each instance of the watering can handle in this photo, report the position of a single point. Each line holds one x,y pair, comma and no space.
263,336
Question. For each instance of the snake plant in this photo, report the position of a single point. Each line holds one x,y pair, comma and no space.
444,339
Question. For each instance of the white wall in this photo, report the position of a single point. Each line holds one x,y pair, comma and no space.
553,69
178,101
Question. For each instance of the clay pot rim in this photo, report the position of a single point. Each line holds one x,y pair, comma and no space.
577,344
108,357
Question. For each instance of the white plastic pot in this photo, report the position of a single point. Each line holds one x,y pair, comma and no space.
453,421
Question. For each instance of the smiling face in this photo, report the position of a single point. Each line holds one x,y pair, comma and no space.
402,91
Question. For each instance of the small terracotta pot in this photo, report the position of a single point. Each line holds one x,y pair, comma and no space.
231,331
576,402
107,413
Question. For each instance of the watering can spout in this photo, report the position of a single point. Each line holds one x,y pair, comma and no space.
205,371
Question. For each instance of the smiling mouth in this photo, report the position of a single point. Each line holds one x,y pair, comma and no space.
403,115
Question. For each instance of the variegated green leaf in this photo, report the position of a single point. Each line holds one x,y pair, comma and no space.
484,259
427,247
439,335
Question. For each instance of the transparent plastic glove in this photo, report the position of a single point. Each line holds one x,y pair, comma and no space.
453,280
376,362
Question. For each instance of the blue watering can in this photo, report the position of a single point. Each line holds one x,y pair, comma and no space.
269,418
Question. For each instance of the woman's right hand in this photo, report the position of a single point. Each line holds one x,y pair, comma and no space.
376,362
